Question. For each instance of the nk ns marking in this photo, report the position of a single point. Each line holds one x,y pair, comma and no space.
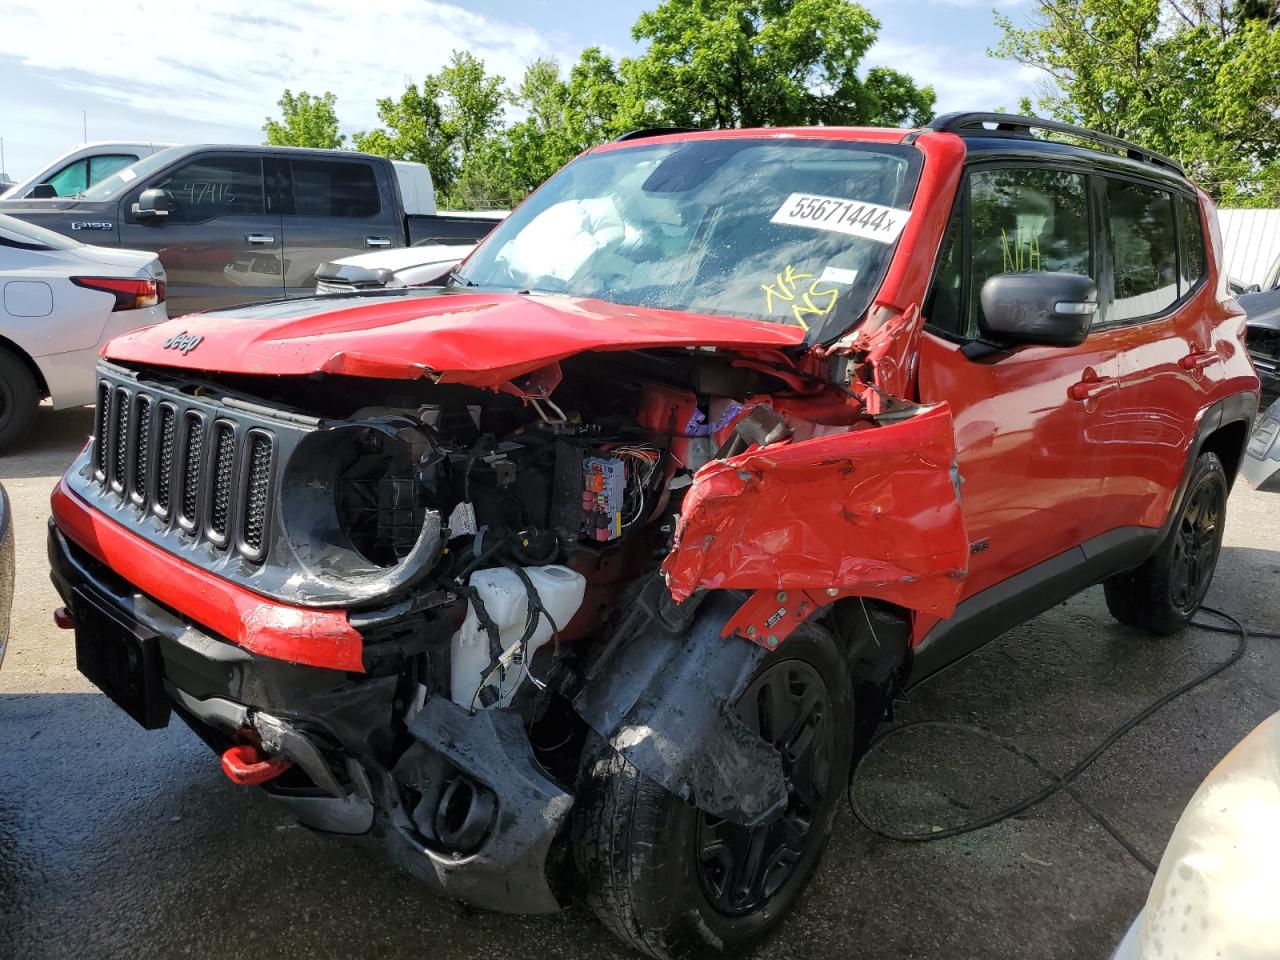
186,342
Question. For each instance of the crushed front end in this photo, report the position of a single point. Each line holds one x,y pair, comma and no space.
408,562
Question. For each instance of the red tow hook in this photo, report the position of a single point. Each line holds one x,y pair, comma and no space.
64,618
248,766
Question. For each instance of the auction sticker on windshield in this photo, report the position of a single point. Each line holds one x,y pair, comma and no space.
856,218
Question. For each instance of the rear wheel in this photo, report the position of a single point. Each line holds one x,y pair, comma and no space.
19,397
674,881
1161,595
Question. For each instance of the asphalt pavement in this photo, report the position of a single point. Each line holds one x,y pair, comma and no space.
115,842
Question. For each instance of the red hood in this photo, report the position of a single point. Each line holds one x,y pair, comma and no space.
483,339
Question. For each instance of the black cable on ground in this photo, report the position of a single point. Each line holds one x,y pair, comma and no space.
1059,782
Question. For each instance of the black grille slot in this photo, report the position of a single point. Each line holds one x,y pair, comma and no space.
257,492
164,457
186,470
192,468
119,438
224,473
141,448
100,440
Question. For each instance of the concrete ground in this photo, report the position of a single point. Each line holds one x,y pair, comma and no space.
115,842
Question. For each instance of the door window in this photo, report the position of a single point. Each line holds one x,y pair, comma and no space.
104,166
1191,259
946,298
1021,220
214,187
327,188
1144,257
71,179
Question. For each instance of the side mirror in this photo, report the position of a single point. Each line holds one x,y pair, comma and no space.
1252,288
42,191
1048,308
153,204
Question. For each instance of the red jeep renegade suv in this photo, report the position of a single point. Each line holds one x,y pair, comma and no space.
589,570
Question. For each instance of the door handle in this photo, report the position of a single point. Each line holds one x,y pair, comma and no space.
377,241
1199,360
1092,389
261,239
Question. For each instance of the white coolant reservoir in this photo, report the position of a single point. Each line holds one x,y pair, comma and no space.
506,601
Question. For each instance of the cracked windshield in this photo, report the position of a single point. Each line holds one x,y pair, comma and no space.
795,232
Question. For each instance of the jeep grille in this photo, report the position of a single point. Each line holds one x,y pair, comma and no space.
201,467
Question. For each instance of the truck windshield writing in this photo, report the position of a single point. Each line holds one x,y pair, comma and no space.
790,231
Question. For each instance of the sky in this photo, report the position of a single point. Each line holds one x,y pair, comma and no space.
211,72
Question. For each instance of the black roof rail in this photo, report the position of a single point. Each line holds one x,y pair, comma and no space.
1012,125
654,132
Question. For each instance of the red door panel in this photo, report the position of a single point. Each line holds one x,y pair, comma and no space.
1029,463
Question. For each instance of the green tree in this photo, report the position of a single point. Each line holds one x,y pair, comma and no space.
731,63
440,123
562,118
306,121
1190,78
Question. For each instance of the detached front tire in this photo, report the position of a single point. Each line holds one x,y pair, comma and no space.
674,882
1161,595
19,397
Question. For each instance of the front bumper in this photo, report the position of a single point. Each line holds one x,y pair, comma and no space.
357,769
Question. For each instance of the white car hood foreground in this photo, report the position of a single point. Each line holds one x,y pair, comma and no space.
1217,892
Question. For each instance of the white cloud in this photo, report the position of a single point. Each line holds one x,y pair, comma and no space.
225,62
963,80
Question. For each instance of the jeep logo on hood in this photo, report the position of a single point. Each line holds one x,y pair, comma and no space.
186,342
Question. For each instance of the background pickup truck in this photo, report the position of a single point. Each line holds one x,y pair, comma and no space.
235,224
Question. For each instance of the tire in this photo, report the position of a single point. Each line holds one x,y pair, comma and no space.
1161,595
637,846
19,397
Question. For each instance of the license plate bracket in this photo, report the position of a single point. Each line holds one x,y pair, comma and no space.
121,658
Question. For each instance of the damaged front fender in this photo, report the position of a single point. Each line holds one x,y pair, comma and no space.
873,512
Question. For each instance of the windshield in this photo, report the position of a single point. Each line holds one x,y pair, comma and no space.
27,236
108,188
792,231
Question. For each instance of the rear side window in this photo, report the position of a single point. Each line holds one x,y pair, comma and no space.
1144,257
1191,261
328,188
214,187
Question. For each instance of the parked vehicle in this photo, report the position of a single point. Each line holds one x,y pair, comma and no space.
239,224
1262,304
594,570
391,269
60,301
6,570
79,169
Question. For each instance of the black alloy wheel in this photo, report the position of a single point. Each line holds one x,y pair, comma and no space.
740,867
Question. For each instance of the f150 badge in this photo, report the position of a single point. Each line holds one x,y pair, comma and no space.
186,342
92,225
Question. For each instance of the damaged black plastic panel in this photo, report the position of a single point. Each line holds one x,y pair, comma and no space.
665,700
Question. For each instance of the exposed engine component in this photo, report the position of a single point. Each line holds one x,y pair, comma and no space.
512,612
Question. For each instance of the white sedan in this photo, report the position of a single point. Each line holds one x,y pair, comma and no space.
60,302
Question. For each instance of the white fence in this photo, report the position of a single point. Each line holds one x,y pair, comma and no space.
1251,242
